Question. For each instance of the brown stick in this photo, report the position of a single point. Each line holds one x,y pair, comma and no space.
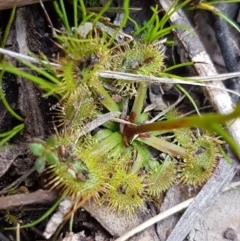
40,196
5,4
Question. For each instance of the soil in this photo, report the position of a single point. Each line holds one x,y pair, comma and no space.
26,99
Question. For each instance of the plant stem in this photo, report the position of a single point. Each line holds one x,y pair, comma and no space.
7,30
138,102
104,97
207,122
4,100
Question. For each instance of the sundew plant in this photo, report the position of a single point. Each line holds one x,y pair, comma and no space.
100,150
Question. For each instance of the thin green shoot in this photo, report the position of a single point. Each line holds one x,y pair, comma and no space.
9,24
75,13
5,102
41,71
44,216
226,137
62,14
72,219
176,66
100,14
139,30
155,28
228,20
225,156
65,17
48,87
6,136
173,8
209,7
126,13
124,20
189,97
84,11
163,32
186,79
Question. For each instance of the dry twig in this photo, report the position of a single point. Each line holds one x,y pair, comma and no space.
40,196
5,4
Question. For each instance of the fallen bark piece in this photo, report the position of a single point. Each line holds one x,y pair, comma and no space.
177,194
8,155
57,218
118,224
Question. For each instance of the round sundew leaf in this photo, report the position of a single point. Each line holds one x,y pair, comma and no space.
51,158
125,192
200,162
40,165
37,149
160,178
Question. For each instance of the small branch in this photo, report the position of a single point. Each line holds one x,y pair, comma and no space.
40,196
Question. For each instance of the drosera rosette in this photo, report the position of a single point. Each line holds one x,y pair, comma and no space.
75,111
140,58
133,177
81,58
159,175
78,172
93,170
202,153
202,158
125,193
84,58
79,177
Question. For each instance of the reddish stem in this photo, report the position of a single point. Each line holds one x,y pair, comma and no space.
126,138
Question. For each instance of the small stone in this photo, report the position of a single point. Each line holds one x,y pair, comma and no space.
230,234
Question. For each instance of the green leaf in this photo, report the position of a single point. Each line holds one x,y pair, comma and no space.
40,165
6,136
37,149
51,158
51,141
